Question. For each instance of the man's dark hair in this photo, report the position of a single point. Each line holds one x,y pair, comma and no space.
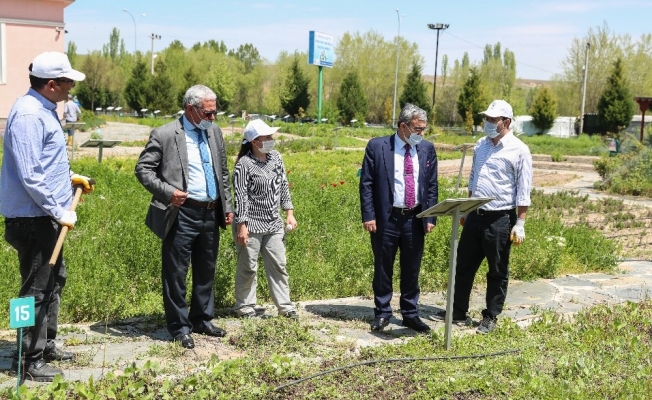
37,83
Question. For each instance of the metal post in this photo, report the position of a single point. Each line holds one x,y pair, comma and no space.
438,27
153,36
398,37
72,146
99,157
135,31
450,292
586,64
319,89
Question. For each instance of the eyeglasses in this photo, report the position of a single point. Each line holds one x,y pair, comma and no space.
64,80
417,129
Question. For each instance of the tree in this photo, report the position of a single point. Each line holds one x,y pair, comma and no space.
352,102
161,94
295,90
137,87
221,80
248,55
72,53
472,99
97,68
544,109
415,91
616,108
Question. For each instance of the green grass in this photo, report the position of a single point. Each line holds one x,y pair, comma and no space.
328,255
605,353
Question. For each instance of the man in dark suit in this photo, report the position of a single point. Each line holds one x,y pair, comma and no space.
184,166
399,180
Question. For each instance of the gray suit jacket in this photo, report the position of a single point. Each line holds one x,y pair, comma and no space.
163,167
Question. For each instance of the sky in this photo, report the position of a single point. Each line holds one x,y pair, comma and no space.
538,32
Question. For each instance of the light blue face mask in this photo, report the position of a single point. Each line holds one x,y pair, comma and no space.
414,139
490,129
204,124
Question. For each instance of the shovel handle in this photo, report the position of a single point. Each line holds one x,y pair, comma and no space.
65,229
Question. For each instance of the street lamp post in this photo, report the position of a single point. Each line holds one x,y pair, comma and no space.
398,42
154,36
135,30
438,27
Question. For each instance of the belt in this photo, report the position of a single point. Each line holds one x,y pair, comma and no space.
492,213
407,211
200,204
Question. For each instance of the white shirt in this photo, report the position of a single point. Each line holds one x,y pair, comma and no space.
399,178
503,171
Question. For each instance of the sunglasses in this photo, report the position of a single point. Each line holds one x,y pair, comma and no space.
207,113
64,80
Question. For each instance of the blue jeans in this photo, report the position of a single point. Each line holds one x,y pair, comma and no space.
34,238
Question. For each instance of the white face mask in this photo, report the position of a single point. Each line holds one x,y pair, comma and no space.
267,146
490,129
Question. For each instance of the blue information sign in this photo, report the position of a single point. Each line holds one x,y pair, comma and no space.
21,312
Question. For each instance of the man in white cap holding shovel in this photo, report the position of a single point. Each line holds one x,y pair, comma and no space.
36,194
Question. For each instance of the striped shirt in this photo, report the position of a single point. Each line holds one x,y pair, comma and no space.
503,171
261,188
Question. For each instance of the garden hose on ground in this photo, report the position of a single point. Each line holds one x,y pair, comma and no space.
389,360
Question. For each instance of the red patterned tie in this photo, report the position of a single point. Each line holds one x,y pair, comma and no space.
408,174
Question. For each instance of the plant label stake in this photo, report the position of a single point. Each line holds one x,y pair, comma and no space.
21,315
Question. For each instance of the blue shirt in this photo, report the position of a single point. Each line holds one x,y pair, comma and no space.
35,177
196,177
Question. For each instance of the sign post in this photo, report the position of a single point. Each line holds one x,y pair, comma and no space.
101,144
21,315
454,208
320,53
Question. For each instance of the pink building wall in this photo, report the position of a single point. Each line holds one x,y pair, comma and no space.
30,28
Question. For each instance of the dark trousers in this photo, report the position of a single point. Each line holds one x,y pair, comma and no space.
34,239
404,232
484,236
194,239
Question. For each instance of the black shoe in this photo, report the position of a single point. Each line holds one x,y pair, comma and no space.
457,318
56,354
186,341
487,325
379,324
37,371
209,330
416,324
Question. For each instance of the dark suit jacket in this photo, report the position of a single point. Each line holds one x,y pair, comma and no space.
377,180
163,167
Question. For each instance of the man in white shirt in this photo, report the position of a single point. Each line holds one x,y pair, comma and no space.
502,169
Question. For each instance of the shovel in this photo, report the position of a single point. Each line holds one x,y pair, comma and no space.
65,229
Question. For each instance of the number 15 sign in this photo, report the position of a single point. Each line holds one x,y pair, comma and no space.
21,312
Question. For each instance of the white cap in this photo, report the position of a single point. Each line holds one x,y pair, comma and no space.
499,108
53,65
256,128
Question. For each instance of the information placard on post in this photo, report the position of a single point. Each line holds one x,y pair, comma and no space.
21,312
101,144
454,208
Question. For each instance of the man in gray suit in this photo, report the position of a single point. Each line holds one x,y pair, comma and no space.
184,166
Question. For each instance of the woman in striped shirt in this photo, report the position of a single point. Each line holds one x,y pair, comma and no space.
261,190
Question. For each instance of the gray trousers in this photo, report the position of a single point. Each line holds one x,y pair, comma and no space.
272,248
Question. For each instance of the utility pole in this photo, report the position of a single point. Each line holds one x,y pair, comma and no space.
586,65
153,36
437,27
398,42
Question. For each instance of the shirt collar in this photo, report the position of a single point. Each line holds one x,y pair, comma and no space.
187,125
46,103
399,144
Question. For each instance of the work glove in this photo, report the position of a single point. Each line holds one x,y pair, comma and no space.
463,218
82,180
69,218
518,232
